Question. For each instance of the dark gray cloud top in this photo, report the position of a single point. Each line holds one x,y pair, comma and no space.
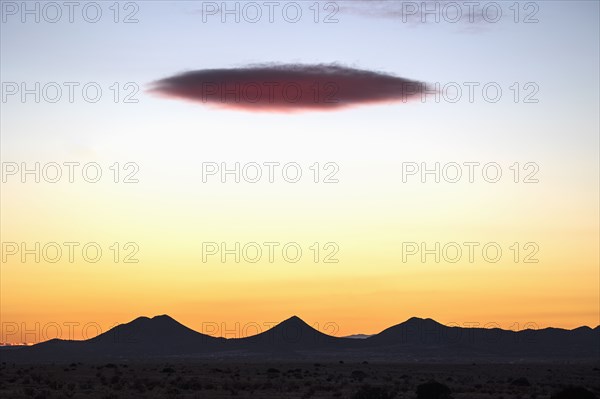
288,87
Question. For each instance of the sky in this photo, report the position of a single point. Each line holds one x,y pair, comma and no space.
370,239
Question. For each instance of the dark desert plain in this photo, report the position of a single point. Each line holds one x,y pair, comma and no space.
419,358
351,379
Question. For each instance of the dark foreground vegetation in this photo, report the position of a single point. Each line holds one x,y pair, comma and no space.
353,380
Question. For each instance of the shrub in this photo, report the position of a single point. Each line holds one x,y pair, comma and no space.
433,390
573,393
369,392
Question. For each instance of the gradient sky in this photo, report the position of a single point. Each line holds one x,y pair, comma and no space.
368,214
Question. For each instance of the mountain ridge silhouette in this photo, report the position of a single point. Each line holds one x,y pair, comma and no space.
162,337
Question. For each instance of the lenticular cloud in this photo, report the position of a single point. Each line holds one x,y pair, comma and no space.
289,87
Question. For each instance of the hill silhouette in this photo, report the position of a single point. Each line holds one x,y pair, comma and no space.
157,329
291,334
144,337
162,337
430,339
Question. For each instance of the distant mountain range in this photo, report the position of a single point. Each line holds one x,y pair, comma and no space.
358,336
162,338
